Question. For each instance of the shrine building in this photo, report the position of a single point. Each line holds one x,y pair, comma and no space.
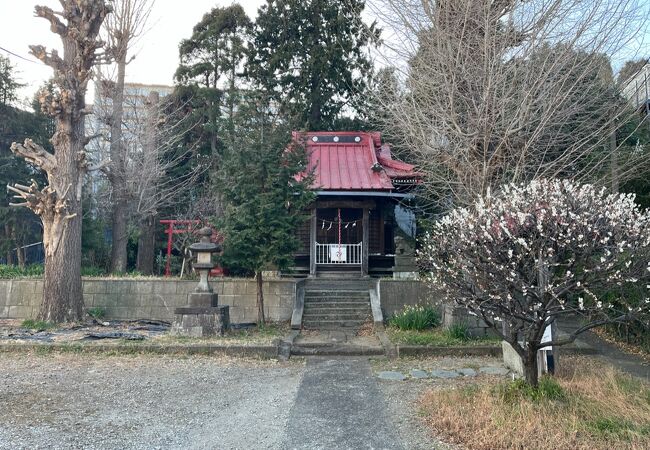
361,223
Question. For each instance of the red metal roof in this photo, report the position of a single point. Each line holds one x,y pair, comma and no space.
344,161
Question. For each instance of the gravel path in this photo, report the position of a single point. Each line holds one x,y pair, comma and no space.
66,401
76,401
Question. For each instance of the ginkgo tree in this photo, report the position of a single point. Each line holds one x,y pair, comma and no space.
533,253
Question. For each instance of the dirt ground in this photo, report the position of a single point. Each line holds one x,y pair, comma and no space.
79,401
66,401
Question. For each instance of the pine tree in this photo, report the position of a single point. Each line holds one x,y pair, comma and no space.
311,55
208,73
264,203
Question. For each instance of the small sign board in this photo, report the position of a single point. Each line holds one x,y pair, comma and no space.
338,253
547,337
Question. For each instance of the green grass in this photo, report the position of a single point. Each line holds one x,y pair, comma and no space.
96,312
514,392
416,318
37,270
436,337
10,272
38,325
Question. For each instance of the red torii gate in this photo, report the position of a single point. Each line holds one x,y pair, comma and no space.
190,226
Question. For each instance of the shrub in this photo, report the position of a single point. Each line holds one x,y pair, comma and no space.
416,318
459,331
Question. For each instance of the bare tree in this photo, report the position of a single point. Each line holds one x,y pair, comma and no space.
122,29
59,203
161,168
493,92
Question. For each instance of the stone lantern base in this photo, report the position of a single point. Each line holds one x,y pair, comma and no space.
202,318
200,321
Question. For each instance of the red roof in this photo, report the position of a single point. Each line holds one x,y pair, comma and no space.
352,161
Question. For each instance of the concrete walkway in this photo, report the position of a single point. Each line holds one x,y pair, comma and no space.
630,363
339,405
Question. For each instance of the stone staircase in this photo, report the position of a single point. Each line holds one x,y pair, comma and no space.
336,303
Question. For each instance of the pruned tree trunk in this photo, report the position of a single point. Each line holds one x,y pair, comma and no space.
261,319
146,246
117,173
59,204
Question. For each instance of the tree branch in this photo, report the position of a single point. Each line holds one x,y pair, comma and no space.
55,23
51,59
35,154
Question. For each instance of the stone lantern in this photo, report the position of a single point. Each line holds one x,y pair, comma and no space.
203,316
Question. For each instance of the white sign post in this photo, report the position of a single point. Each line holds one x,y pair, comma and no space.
545,354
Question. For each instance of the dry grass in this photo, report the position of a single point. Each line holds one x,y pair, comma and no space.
590,406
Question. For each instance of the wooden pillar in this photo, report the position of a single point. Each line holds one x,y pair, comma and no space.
366,242
312,244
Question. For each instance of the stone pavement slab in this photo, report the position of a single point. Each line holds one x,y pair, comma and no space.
393,376
417,373
444,374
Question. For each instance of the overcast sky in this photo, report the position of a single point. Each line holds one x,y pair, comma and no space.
157,51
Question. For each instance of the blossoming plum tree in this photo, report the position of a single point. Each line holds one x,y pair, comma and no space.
531,254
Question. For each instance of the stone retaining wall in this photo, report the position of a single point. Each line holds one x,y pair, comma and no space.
395,294
156,298
153,299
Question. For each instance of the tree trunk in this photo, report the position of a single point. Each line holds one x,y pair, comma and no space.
10,250
531,374
59,203
120,237
261,319
146,246
62,291
20,254
117,176
20,251
613,148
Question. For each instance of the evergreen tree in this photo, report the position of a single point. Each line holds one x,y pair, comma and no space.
8,83
264,203
208,72
311,56
19,225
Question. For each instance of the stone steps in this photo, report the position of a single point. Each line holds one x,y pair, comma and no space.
329,306
337,315
338,284
336,303
337,300
333,324
340,293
